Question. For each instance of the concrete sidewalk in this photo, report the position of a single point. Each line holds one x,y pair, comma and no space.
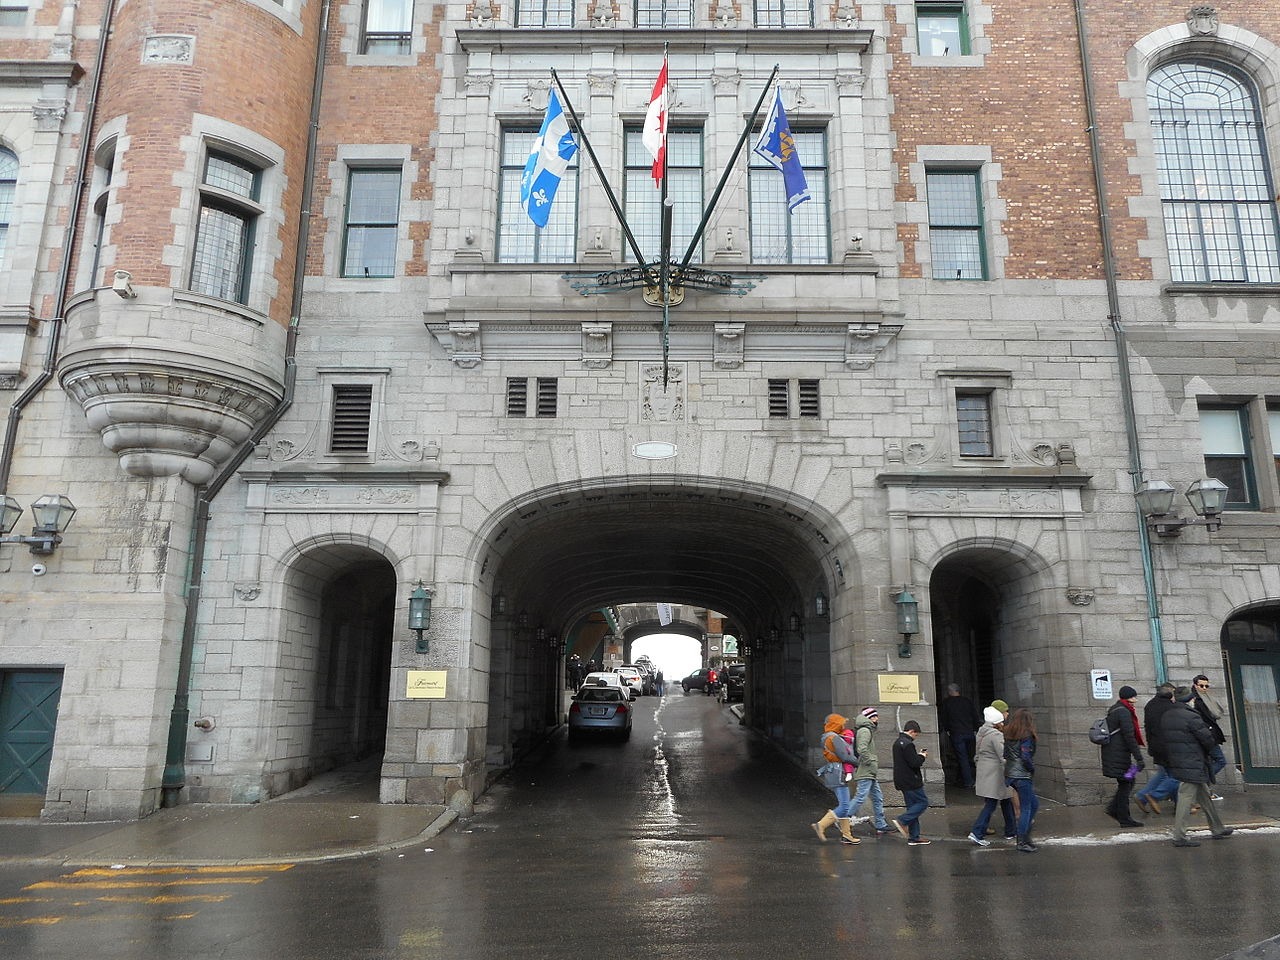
325,821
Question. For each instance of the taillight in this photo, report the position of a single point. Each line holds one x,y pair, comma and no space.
622,708
574,708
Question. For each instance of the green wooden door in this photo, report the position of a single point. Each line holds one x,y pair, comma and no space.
1255,677
28,716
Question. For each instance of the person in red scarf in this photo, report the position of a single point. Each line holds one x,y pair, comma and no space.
1122,754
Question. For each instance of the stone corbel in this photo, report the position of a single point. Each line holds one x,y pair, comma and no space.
602,84
850,83
729,344
866,341
461,341
597,345
482,14
846,16
248,591
1080,596
478,83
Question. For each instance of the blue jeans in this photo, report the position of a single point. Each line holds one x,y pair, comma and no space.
1028,801
1160,786
872,787
843,805
1217,760
963,744
917,804
984,818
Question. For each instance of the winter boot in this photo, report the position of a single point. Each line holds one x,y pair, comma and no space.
820,828
1024,844
846,834
1030,842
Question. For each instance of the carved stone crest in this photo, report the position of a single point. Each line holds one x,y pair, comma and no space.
664,404
169,48
1202,21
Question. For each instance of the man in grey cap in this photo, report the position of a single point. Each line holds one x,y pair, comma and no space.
1189,744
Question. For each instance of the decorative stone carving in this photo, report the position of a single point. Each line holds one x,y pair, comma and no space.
729,345
602,84
248,590
169,48
1202,21
461,340
1002,500
726,82
850,83
482,14
536,93
659,404
48,115
846,15
1080,596
597,345
1066,454
477,83
866,341
9,382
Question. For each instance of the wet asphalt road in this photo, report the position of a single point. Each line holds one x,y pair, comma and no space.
690,841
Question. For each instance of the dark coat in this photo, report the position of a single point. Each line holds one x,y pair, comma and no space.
1187,742
1152,714
906,764
1122,749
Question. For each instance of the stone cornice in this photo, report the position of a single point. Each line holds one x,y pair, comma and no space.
525,40
990,477
40,71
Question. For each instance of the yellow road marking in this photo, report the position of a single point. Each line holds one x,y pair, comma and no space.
29,922
194,898
136,884
9,900
163,871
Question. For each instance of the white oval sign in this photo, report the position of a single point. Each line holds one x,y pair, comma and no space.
654,450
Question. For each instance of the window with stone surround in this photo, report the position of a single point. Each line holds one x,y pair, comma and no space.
13,14
664,14
519,240
956,245
1273,431
372,222
104,162
973,423
802,235
228,212
1220,217
8,190
784,13
544,13
642,200
1224,434
388,27
942,29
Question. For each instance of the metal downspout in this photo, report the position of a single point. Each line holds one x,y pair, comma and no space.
175,759
64,271
1122,349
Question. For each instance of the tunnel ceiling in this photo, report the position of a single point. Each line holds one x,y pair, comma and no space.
746,557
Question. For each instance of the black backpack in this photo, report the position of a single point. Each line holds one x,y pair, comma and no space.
1100,733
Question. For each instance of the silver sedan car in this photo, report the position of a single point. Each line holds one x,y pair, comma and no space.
602,709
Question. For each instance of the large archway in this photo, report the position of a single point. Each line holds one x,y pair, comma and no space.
753,553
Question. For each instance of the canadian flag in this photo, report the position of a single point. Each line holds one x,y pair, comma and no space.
654,136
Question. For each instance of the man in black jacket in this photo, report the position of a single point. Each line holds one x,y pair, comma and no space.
907,777
1161,786
959,719
1122,754
1188,746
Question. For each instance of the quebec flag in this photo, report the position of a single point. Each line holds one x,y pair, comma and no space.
548,160
776,146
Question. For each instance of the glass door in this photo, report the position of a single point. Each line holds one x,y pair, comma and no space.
1257,690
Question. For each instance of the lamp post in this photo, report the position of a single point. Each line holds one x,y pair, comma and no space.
908,620
420,614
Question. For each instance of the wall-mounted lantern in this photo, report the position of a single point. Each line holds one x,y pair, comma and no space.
420,613
1207,496
908,620
820,604
50,514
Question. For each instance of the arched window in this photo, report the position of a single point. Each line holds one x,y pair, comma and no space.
8,187
1219,218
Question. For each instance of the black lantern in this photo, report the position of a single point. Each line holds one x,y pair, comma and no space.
50,514
908,620
820,604
420,613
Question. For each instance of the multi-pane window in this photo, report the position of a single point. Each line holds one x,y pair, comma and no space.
1273,424
796,236
643,201
955,225
784,13
1219,213
1224,432
352,415
373,216
8,189
544,13
973,424
664,13
545,396
104,168
941,30
388,27
519,241
224,233
805,391
13,14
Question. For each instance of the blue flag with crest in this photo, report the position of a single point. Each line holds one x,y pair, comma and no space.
548,160
776,145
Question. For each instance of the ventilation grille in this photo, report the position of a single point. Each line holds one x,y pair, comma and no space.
808,394
778,405
352,411
546,396
517,397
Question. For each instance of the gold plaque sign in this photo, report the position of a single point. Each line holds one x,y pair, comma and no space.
899,687
427,684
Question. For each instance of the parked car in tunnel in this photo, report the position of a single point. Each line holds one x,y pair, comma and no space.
632,677
610,679
695,681
645,673
733,681
600,709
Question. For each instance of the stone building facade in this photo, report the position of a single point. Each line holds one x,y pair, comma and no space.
287,341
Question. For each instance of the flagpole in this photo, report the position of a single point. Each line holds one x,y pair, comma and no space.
664,267
724,177
613,200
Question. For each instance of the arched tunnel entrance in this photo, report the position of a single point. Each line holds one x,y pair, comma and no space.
562,559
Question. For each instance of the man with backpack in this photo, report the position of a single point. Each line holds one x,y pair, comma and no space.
1121,754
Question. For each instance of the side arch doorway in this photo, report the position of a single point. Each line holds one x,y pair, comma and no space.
1251,655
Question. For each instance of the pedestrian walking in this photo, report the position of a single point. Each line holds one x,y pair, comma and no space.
907,777
989,781
958,716
1189,745
1211,711
659,684
868,776
837,753
1122,754
1019,768
1161,786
